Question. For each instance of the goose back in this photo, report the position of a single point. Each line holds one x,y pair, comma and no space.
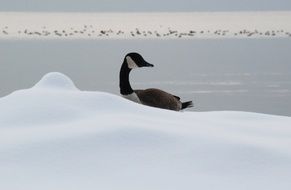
158,98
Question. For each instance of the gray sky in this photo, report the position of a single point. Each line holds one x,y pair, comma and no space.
144,5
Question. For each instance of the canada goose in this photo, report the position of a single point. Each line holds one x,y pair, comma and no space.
150,97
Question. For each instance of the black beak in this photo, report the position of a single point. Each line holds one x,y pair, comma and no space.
148,64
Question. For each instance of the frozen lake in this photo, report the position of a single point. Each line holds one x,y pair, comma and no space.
217,74
220,60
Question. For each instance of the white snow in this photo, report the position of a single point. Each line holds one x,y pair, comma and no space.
54,136
193,25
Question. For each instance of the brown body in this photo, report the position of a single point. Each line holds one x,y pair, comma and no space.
158,98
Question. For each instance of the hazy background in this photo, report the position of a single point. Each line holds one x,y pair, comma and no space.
225,74
144,5
231,74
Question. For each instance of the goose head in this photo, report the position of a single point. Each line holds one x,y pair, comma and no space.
131,61
134,60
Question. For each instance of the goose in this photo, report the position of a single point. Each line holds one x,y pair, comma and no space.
151,97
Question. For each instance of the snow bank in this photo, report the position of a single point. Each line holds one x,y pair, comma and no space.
193,25
54,136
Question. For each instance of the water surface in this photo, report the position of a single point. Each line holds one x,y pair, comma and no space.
225,74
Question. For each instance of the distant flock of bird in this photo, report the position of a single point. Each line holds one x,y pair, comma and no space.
90,31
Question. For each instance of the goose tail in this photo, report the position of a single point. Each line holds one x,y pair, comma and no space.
187,105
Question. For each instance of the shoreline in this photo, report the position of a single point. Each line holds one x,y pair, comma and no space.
189,25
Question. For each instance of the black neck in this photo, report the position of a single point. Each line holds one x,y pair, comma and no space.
124,84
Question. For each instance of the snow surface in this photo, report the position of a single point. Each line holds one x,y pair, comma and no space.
41,25
54,136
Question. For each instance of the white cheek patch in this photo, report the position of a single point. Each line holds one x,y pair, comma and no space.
130,63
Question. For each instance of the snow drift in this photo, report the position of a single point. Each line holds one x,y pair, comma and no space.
54,136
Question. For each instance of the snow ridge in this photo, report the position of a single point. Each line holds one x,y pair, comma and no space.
54,136
55,80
